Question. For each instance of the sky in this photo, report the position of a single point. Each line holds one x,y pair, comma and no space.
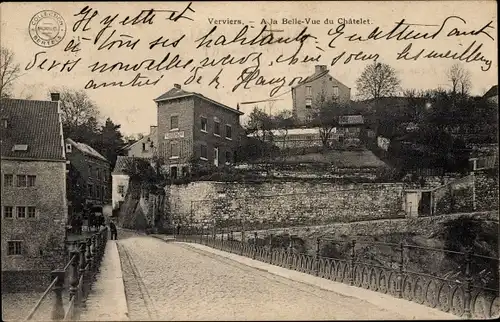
133,107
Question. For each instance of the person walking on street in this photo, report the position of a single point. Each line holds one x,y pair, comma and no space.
112,228
178,229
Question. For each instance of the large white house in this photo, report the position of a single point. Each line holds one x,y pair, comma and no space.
120,181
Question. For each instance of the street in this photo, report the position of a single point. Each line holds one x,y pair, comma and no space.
172,281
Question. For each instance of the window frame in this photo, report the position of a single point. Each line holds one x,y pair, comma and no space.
122,188
174,128
228,160
4,212
217,126
11,180
18,212
15,242
172,156
25,180
336,91
206,152
230,137
28,180
28,212
308,91
309,100
204,130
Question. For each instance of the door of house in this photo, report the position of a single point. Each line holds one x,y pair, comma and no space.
216,157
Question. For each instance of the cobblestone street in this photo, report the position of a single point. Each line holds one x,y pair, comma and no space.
173,281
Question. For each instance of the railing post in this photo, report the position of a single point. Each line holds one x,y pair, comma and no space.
74,273
271,248
400,270
201,235
88,271
468,283
353,258
58,308
93,252
317,256
254,245
289,260
241,239
83,263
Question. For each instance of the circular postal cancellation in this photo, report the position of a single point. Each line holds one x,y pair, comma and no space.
47,28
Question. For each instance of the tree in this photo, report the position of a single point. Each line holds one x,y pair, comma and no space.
325,115
378,80
460,79
76,107
283,121
110,140
9,72
260,124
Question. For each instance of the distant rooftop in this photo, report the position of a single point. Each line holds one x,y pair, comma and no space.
493,91
178,92
87,149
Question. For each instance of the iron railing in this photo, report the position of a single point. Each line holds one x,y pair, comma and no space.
79,273
459,296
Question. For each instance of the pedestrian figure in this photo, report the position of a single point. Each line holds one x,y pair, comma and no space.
178,229
112,228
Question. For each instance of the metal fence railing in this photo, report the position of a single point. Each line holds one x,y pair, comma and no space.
460,295
76,277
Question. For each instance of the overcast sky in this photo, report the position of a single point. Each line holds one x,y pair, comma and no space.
134,108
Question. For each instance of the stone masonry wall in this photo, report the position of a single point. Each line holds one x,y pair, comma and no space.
281,203
42,238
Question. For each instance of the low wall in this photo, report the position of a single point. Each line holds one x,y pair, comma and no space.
271,204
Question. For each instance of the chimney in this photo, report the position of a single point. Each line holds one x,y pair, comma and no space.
177,86
55,97
320,68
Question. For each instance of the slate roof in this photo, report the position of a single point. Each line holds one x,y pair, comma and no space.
493,91
121,163
179,92
34,123
86,149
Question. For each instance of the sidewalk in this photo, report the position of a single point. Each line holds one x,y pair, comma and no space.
107,300
410,309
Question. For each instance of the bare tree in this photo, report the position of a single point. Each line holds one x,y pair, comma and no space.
76,107
378,80
460,79
9,72
325,115
283,121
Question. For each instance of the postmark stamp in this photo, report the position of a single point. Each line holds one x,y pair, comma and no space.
47,28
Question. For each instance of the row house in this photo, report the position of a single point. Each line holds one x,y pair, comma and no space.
90,183
192,126
33,189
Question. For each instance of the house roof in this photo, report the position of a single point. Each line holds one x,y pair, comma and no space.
493,91
144,138
351,120
316,75
86,149
121,163
179,92
37,125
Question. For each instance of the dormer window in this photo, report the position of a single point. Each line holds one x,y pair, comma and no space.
20,147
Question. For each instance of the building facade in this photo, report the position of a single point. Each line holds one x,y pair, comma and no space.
92,186
120,181
33,198
147,147
192,126
321,83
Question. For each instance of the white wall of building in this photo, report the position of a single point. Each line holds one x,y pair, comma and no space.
119,180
